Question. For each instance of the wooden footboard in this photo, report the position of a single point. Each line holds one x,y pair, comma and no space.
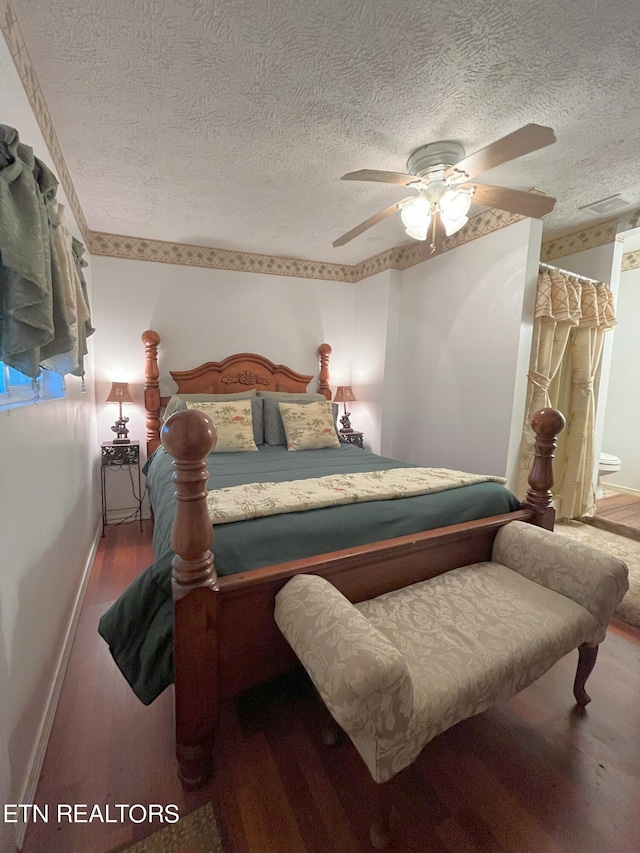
225,637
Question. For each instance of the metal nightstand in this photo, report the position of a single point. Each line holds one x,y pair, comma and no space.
353,437
118,456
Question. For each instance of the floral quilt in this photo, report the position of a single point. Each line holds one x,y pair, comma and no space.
253,500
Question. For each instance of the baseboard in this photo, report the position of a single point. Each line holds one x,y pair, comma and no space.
42,740
117,516
627,490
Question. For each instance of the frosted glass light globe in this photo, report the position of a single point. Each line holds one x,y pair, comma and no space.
419,233
416,214
452,225
455,205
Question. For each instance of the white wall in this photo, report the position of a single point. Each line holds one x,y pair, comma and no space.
205,315
622,415
49,509
465,325
594,263
375,348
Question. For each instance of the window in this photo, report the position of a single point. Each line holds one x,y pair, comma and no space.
16,389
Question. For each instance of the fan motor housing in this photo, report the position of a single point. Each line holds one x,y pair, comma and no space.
443,154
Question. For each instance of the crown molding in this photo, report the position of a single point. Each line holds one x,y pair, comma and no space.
631,261
17,48
586,238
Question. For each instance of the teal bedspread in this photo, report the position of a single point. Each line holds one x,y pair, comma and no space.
138,627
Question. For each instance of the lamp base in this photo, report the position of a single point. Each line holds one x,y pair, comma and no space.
346,423
121,431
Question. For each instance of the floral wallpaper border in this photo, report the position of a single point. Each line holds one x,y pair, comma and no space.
586,238
399,258
15,41
631,261
160,251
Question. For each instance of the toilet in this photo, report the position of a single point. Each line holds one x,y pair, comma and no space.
608,464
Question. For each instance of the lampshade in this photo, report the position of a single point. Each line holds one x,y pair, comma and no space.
344,394
120,393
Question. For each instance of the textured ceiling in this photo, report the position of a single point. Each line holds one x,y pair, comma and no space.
229,124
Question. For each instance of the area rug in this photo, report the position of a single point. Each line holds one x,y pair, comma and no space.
194,833
620,546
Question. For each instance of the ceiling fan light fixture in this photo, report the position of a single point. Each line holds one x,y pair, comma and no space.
416,214
451,226
419,232
455,204
442,177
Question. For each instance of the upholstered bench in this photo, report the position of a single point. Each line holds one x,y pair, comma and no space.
399,669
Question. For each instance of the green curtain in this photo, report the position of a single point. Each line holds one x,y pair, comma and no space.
44,312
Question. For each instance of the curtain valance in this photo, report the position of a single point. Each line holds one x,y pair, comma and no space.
44,310
580,302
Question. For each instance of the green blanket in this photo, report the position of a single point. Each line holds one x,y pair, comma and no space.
138,626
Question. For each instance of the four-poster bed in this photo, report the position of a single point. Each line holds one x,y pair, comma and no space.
225,639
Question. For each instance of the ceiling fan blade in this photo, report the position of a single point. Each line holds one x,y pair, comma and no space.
381,177
515,201
369,223
529,138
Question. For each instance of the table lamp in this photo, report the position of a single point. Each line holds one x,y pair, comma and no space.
344,394
120,393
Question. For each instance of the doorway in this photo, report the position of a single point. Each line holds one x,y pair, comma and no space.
619,507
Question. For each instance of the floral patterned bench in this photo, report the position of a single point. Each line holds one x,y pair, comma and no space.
399,669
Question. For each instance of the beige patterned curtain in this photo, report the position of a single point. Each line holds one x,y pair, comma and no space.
571,317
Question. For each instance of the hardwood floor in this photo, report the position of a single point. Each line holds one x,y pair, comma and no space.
620,506
618,512
531,776
105,746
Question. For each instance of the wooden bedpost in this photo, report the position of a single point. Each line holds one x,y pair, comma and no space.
324,351
546,424
189,436
151,339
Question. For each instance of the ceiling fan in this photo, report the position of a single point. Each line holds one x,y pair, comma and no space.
442,176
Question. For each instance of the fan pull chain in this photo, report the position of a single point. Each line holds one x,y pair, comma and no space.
433,233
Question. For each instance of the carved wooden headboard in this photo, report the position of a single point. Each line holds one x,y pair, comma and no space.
235,373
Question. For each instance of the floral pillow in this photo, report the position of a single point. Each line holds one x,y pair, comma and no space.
178,401
308,426
233,421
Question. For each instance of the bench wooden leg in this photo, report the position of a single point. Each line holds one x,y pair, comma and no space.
195,764
586,662
380,829
330,732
